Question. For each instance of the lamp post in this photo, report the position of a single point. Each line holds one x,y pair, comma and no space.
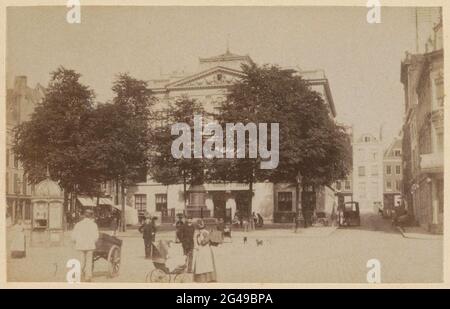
297,198
123,217
18,184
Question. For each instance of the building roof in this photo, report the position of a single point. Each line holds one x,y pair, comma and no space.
228,66
48,188
373,139
227,56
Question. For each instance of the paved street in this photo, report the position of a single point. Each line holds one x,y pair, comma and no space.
316,255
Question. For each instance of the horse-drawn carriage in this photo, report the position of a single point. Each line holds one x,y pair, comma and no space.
348,214
109,248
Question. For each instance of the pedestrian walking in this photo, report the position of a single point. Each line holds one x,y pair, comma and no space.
148,235
114,225
187,241
221,228
260,220
204,266
154,228
245,224
85,234
18,244
178,228
255,219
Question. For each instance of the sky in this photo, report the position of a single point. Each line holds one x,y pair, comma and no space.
361,60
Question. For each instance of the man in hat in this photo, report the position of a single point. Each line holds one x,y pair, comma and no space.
178,228
147,231
85,234
187,240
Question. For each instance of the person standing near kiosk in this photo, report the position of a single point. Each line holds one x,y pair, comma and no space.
85,234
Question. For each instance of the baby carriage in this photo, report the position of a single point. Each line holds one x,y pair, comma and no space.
162,272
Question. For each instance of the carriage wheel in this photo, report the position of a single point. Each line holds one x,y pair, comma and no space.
114,260
158,275
182,278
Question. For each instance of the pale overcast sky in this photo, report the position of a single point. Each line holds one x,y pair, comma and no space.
361,60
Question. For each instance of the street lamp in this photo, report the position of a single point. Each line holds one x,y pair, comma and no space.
18,184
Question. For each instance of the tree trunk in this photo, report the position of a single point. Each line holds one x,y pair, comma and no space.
116,198
297,200
250,217
66,208
184,190
124,224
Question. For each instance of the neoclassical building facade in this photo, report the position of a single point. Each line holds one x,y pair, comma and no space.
209,86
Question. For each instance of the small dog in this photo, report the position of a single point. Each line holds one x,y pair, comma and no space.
259,242
245,240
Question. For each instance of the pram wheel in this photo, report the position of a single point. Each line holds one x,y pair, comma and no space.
182,278
158,275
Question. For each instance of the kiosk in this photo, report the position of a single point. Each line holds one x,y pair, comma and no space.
47,221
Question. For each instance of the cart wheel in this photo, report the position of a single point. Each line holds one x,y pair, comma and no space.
182,278
158,275
114,260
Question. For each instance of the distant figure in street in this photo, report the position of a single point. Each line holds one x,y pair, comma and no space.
148,235
154,228
236,220
18,245
204,266
255,219
245,224
114,225
187,241
221,227
307,216
85,234
296,223
260,220
178,228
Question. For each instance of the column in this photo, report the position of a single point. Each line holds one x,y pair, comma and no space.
231,203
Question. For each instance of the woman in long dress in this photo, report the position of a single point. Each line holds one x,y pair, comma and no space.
204,267
18,243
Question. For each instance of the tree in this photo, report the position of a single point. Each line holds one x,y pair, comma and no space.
55,135
311,145
165,168
120,142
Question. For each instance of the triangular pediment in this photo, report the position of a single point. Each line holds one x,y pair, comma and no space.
215,77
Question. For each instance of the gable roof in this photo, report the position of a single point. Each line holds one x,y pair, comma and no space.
218,76
396,144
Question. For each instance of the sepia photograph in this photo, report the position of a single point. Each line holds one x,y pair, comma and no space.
205,144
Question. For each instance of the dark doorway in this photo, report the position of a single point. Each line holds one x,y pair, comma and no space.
308,197
242,199
219,200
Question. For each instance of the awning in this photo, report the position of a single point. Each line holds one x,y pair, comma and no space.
86,202
105,201
92,201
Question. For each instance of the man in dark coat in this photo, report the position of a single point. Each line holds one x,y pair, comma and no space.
187,241
147,231
154,227
178,228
